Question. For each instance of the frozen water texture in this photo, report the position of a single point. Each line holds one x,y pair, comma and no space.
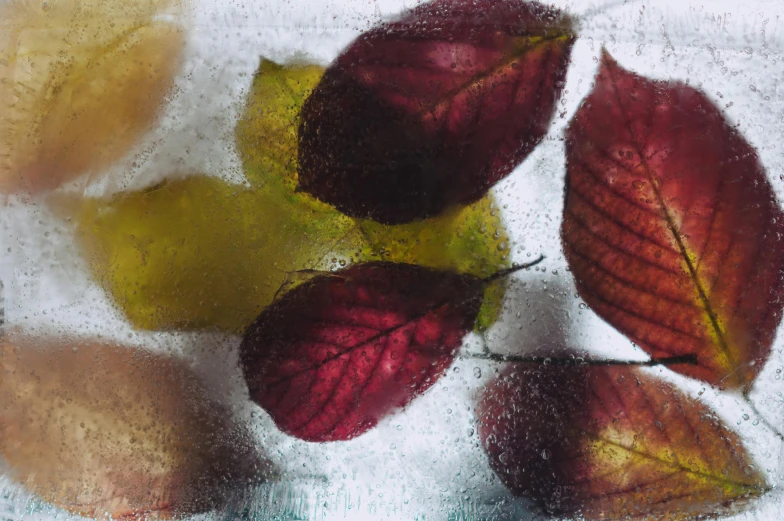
425,462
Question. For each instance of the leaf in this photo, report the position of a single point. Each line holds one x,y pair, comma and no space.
80,83
433,109
342,351
199,253
101,429
266,134
611,443
671,228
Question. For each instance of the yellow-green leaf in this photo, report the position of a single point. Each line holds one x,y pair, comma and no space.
198,253
267,132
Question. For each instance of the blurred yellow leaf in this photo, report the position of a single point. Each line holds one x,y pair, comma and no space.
80,82
101,429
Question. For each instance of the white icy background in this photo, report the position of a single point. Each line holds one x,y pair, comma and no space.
424,462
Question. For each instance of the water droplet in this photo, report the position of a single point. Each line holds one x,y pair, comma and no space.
546,454
477,372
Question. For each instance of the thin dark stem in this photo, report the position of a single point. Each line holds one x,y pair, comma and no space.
517,359
2,310
514,269
762,418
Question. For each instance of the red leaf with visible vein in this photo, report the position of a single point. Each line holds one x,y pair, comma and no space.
433,109
611,443
671,227
335,355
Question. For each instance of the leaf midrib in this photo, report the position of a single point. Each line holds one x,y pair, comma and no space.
745,487
720,335
372,339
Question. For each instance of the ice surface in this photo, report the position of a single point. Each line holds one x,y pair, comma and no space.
425,462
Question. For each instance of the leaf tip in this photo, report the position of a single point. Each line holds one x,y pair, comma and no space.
267,66
606,60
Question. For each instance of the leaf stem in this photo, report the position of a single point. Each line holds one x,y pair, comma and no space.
2,311
514,269
546,360
762,418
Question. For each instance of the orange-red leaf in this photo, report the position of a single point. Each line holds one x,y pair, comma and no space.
335,355
611,443
671,228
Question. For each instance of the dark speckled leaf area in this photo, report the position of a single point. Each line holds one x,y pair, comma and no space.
433,109
340,352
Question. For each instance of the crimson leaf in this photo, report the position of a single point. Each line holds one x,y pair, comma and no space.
336,354
433,109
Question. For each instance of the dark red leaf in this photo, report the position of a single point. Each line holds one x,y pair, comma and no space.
602,442
335,355
671,227
433,109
